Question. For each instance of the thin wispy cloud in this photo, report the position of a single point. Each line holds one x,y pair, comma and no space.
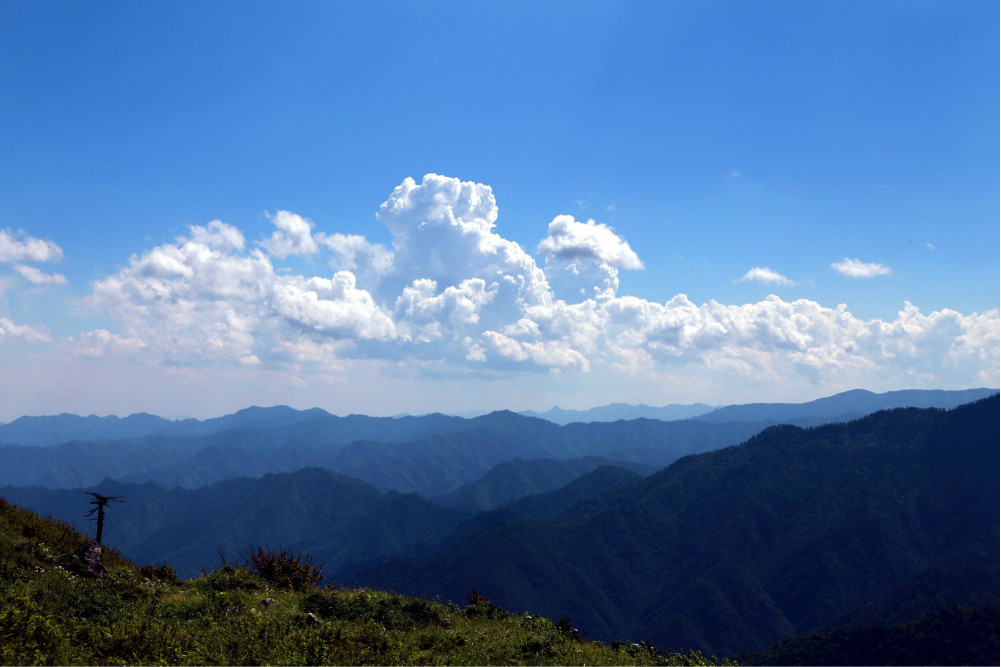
856,268
38,277
763,274
11,332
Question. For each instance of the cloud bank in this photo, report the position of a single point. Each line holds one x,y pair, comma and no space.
453,299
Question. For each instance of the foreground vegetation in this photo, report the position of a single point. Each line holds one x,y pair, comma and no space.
264,611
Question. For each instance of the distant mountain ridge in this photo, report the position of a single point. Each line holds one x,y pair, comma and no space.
846,406
431,455
60,429
56,429
51,430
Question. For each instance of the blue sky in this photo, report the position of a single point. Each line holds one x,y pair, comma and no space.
818,179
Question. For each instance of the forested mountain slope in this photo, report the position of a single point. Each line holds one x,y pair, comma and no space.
511,480
735,549
949,636
344,522
551,504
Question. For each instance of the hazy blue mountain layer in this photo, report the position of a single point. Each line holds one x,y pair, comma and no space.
456,452
58,429
280,422
844,406
55,429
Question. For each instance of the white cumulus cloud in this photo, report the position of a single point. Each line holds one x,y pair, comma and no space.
334,307
855,268
762,274
353,252
294,236
206,297
16,246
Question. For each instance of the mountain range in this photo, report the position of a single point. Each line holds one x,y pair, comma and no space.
738,548
341,521
58,429
844,406
713,533
407,460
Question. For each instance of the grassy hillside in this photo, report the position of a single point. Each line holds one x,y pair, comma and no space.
241,615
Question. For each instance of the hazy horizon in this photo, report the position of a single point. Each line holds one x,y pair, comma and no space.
468,414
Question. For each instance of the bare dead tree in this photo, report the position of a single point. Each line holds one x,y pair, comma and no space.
99,502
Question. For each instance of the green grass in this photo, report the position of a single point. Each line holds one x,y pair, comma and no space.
144,615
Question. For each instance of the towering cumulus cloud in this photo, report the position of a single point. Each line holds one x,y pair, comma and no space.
454,296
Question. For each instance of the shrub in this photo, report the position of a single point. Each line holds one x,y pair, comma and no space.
228,578
567,629
281,568
159,572
480,605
